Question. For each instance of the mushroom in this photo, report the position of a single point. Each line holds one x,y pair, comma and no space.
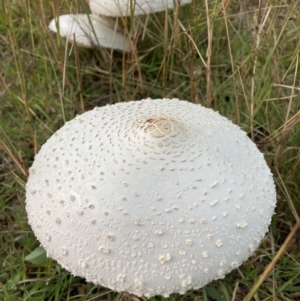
124,8
90,31
116,8
151,197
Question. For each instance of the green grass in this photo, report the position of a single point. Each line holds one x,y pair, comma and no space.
224,59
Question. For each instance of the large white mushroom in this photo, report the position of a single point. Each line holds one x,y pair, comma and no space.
151,197
90,31
116,8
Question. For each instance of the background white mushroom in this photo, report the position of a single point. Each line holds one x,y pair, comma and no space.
90,31
150,197
115,8
123,8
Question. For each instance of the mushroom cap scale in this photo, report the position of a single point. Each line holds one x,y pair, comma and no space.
150,197
116,8
90,31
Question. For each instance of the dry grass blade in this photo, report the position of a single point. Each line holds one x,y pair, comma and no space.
14,156
208,56
272,264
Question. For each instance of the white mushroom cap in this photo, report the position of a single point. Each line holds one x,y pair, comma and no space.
150,197
90,31
115,8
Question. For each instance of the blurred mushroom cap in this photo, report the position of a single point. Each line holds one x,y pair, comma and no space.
116,8
90,31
